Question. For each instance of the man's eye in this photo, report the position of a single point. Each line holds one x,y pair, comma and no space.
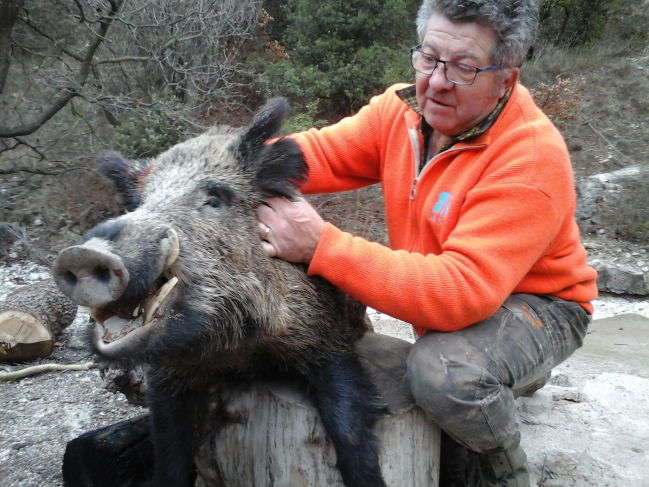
428,58
464,68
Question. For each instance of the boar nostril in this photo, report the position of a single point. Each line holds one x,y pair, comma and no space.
70,278
101,274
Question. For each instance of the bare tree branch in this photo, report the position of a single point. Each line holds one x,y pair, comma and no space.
64,96
37,369
19,232
126,59
19,142
135,60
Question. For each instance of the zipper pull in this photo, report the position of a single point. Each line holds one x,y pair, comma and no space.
413,191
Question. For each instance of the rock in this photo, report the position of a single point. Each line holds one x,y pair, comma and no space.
621,279
590,191
560,379
594,432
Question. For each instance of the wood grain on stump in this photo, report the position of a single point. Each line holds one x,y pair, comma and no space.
31,319
277,437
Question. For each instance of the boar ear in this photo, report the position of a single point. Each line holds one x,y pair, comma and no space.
277,168
280,168
125,174
264,125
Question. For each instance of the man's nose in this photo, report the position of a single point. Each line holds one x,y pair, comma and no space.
438,80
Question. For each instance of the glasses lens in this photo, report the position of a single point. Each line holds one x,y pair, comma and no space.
460,73
422,62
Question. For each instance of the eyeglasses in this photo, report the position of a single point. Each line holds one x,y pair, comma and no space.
457,73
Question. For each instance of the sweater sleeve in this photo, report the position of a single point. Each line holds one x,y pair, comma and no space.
347,155
500,235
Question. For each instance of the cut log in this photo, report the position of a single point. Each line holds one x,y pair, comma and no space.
280,440
118,455
31,319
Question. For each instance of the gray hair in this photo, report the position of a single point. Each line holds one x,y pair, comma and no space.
515,22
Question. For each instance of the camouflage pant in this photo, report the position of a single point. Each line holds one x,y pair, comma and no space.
467,381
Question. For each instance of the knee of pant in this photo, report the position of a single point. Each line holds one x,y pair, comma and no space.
441,374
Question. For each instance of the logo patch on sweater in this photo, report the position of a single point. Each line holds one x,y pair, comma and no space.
440,210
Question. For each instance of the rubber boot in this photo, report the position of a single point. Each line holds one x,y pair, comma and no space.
459,466
508,467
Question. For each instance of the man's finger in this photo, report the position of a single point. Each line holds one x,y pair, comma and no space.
269,248
264,230
274,202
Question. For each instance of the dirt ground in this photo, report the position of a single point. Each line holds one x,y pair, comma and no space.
587,428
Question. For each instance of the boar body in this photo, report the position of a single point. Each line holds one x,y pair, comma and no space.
182,285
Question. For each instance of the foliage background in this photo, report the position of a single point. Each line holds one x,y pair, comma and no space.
164,73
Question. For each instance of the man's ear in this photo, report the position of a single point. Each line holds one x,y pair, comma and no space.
507,80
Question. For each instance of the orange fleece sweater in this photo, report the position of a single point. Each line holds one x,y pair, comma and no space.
487,218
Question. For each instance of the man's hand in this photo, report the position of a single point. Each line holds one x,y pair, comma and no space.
289,229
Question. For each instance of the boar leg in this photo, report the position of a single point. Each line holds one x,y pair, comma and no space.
175,419
349,405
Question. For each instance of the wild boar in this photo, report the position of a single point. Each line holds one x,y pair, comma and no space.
181,284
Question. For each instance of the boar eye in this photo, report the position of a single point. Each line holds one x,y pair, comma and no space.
214,202
217,194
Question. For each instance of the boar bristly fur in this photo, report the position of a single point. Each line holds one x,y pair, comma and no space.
234,313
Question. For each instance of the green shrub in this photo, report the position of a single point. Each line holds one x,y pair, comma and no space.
154,131
304,118
574,22
347,82
632,27
343,52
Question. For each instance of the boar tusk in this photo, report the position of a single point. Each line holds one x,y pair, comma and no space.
156,301
174,247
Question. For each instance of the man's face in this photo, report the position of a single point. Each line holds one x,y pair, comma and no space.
453,109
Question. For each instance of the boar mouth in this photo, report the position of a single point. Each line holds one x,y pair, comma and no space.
122,327
115,336
118,321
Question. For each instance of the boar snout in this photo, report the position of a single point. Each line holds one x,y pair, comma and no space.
90,276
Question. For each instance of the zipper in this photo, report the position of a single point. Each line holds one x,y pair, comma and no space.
413,132
418,174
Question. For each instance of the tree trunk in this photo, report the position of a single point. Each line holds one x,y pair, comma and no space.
31,319
278,437
8,15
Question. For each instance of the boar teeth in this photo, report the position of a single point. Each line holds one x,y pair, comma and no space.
116,325
173,247
154,303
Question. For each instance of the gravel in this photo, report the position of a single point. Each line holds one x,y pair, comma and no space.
41,413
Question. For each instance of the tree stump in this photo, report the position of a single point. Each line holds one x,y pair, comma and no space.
30,320
277,437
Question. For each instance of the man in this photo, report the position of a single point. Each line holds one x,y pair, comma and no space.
484,258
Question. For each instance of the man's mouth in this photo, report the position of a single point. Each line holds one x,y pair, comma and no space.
440,103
